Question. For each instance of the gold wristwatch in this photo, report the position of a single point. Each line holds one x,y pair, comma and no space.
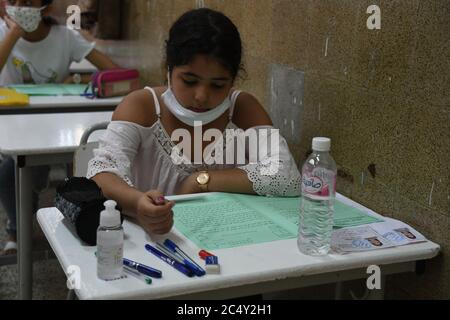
76,78
202,180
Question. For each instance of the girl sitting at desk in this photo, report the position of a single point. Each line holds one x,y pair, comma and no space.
33,49
134,163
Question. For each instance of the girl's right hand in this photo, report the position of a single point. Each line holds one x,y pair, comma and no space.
15,30
154,213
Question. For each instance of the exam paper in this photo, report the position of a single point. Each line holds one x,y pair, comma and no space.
224,220
225,223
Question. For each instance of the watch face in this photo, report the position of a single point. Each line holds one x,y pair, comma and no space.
203,178
77,78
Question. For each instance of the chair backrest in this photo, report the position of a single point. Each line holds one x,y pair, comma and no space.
85,151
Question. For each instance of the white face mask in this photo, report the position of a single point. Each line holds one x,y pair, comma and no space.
26,17
188,116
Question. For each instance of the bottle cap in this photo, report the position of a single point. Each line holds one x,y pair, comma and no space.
110,217
321,144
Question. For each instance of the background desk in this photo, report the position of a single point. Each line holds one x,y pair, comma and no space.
245,270
34,140
58,104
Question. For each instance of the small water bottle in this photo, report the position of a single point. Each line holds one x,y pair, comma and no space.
110,243
317,202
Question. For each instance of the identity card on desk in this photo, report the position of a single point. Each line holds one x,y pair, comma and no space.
226,220
389,233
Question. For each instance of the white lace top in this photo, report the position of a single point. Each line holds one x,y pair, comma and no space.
142,156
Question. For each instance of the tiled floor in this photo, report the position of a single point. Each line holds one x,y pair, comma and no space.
49,280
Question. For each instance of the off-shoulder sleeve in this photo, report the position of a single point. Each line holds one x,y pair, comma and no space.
274,171
117,150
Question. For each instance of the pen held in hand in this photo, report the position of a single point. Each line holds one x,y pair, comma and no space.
186,197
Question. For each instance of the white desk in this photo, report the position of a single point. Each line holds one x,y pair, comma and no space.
33,140
58,104
245,270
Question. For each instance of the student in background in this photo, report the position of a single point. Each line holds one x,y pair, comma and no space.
133,164
33,49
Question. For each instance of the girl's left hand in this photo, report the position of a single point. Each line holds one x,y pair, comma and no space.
189,185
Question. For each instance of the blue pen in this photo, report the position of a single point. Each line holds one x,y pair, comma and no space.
137,274
142,268
179,266
176,256
170,254
172,246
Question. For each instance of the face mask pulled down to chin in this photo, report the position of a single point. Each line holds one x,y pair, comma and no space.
190,117
27,18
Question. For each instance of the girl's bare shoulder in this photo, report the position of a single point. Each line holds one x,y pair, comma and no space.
249,112
137,107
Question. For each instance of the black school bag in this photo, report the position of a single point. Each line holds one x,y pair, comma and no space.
80,200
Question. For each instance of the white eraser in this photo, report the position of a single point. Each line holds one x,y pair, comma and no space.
212,269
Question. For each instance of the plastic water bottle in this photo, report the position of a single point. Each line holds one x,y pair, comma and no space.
110,243
317,203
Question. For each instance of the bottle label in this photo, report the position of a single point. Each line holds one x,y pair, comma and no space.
312,184
317,184
109,256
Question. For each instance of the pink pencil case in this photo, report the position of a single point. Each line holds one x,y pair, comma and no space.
115,82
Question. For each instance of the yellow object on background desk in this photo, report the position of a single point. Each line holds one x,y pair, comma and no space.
10,98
